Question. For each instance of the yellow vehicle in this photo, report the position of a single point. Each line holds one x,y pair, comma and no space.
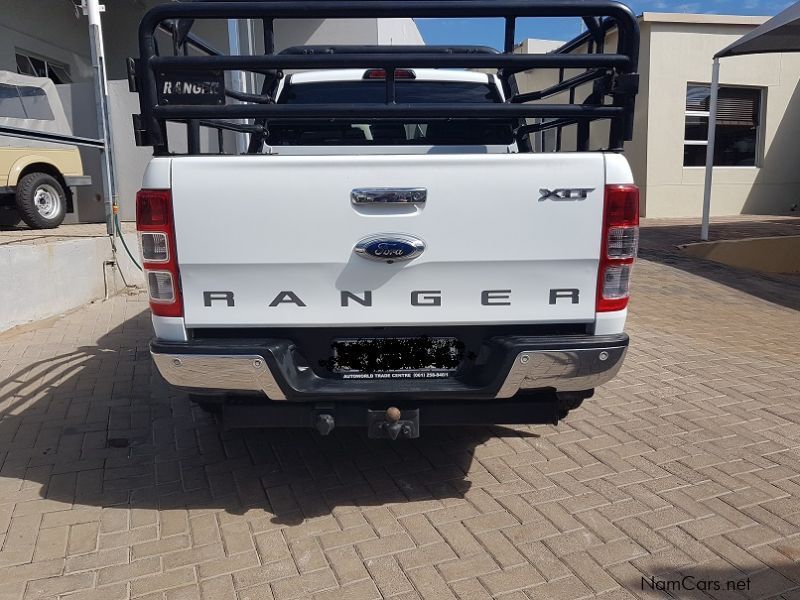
36,176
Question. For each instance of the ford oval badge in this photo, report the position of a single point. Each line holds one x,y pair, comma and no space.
390,247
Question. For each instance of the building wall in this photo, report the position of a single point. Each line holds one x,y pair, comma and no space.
676,50
54,36
682,53
636,150
52,29
539,79
297,32
80,107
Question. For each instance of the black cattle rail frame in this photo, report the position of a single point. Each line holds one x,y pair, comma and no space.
613,75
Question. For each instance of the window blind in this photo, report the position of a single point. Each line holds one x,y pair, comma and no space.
735,106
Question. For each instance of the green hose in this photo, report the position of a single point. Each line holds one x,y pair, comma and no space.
118,229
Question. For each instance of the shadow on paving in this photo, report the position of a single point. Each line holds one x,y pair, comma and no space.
99,427
660,244
751,580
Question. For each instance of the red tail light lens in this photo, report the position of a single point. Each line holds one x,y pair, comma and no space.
622,205
157,249
619,247
153,209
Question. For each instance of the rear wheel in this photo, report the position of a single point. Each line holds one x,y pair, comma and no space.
41,201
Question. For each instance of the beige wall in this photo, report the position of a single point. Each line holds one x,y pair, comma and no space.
542,78
674,52
682,53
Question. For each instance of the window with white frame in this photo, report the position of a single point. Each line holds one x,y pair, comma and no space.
39,66
738,126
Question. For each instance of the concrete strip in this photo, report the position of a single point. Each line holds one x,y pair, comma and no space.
44,280
779,254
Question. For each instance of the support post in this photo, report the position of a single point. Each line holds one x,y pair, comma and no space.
712,139
237,81
92,9
251,50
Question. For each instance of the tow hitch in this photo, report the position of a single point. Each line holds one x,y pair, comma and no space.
393,423
381,424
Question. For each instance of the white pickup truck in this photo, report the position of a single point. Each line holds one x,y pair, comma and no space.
382,270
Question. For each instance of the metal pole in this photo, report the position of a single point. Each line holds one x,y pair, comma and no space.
251,50
92,9
712,139
237,81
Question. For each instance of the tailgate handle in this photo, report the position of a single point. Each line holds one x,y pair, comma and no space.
389,195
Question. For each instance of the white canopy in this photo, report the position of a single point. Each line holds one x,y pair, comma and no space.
31,103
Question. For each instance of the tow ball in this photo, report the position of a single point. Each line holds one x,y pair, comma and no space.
393,423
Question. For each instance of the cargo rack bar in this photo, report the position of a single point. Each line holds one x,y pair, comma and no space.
46,136
507,62
385,111
612,77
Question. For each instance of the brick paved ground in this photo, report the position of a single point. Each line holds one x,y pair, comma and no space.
668,233
661,237
113,487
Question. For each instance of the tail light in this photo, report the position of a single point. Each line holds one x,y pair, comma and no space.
381,74
619,247
157,246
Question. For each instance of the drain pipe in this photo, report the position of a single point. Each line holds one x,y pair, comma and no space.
92,10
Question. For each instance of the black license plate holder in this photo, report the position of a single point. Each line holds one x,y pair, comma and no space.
395,358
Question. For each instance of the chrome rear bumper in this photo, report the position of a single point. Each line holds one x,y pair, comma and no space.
563,370
243,373
564,364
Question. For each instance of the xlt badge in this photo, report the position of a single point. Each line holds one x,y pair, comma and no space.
565,194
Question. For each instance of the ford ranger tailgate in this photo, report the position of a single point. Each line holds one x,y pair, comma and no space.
270,240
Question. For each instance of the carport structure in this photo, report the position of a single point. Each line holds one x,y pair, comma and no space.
779,34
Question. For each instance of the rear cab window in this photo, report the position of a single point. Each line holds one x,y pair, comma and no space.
367,91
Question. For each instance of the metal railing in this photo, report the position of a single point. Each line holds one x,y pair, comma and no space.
611,75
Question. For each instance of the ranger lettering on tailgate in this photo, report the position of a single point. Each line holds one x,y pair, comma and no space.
418,298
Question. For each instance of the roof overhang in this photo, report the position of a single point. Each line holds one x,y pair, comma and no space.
779,34
701,19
